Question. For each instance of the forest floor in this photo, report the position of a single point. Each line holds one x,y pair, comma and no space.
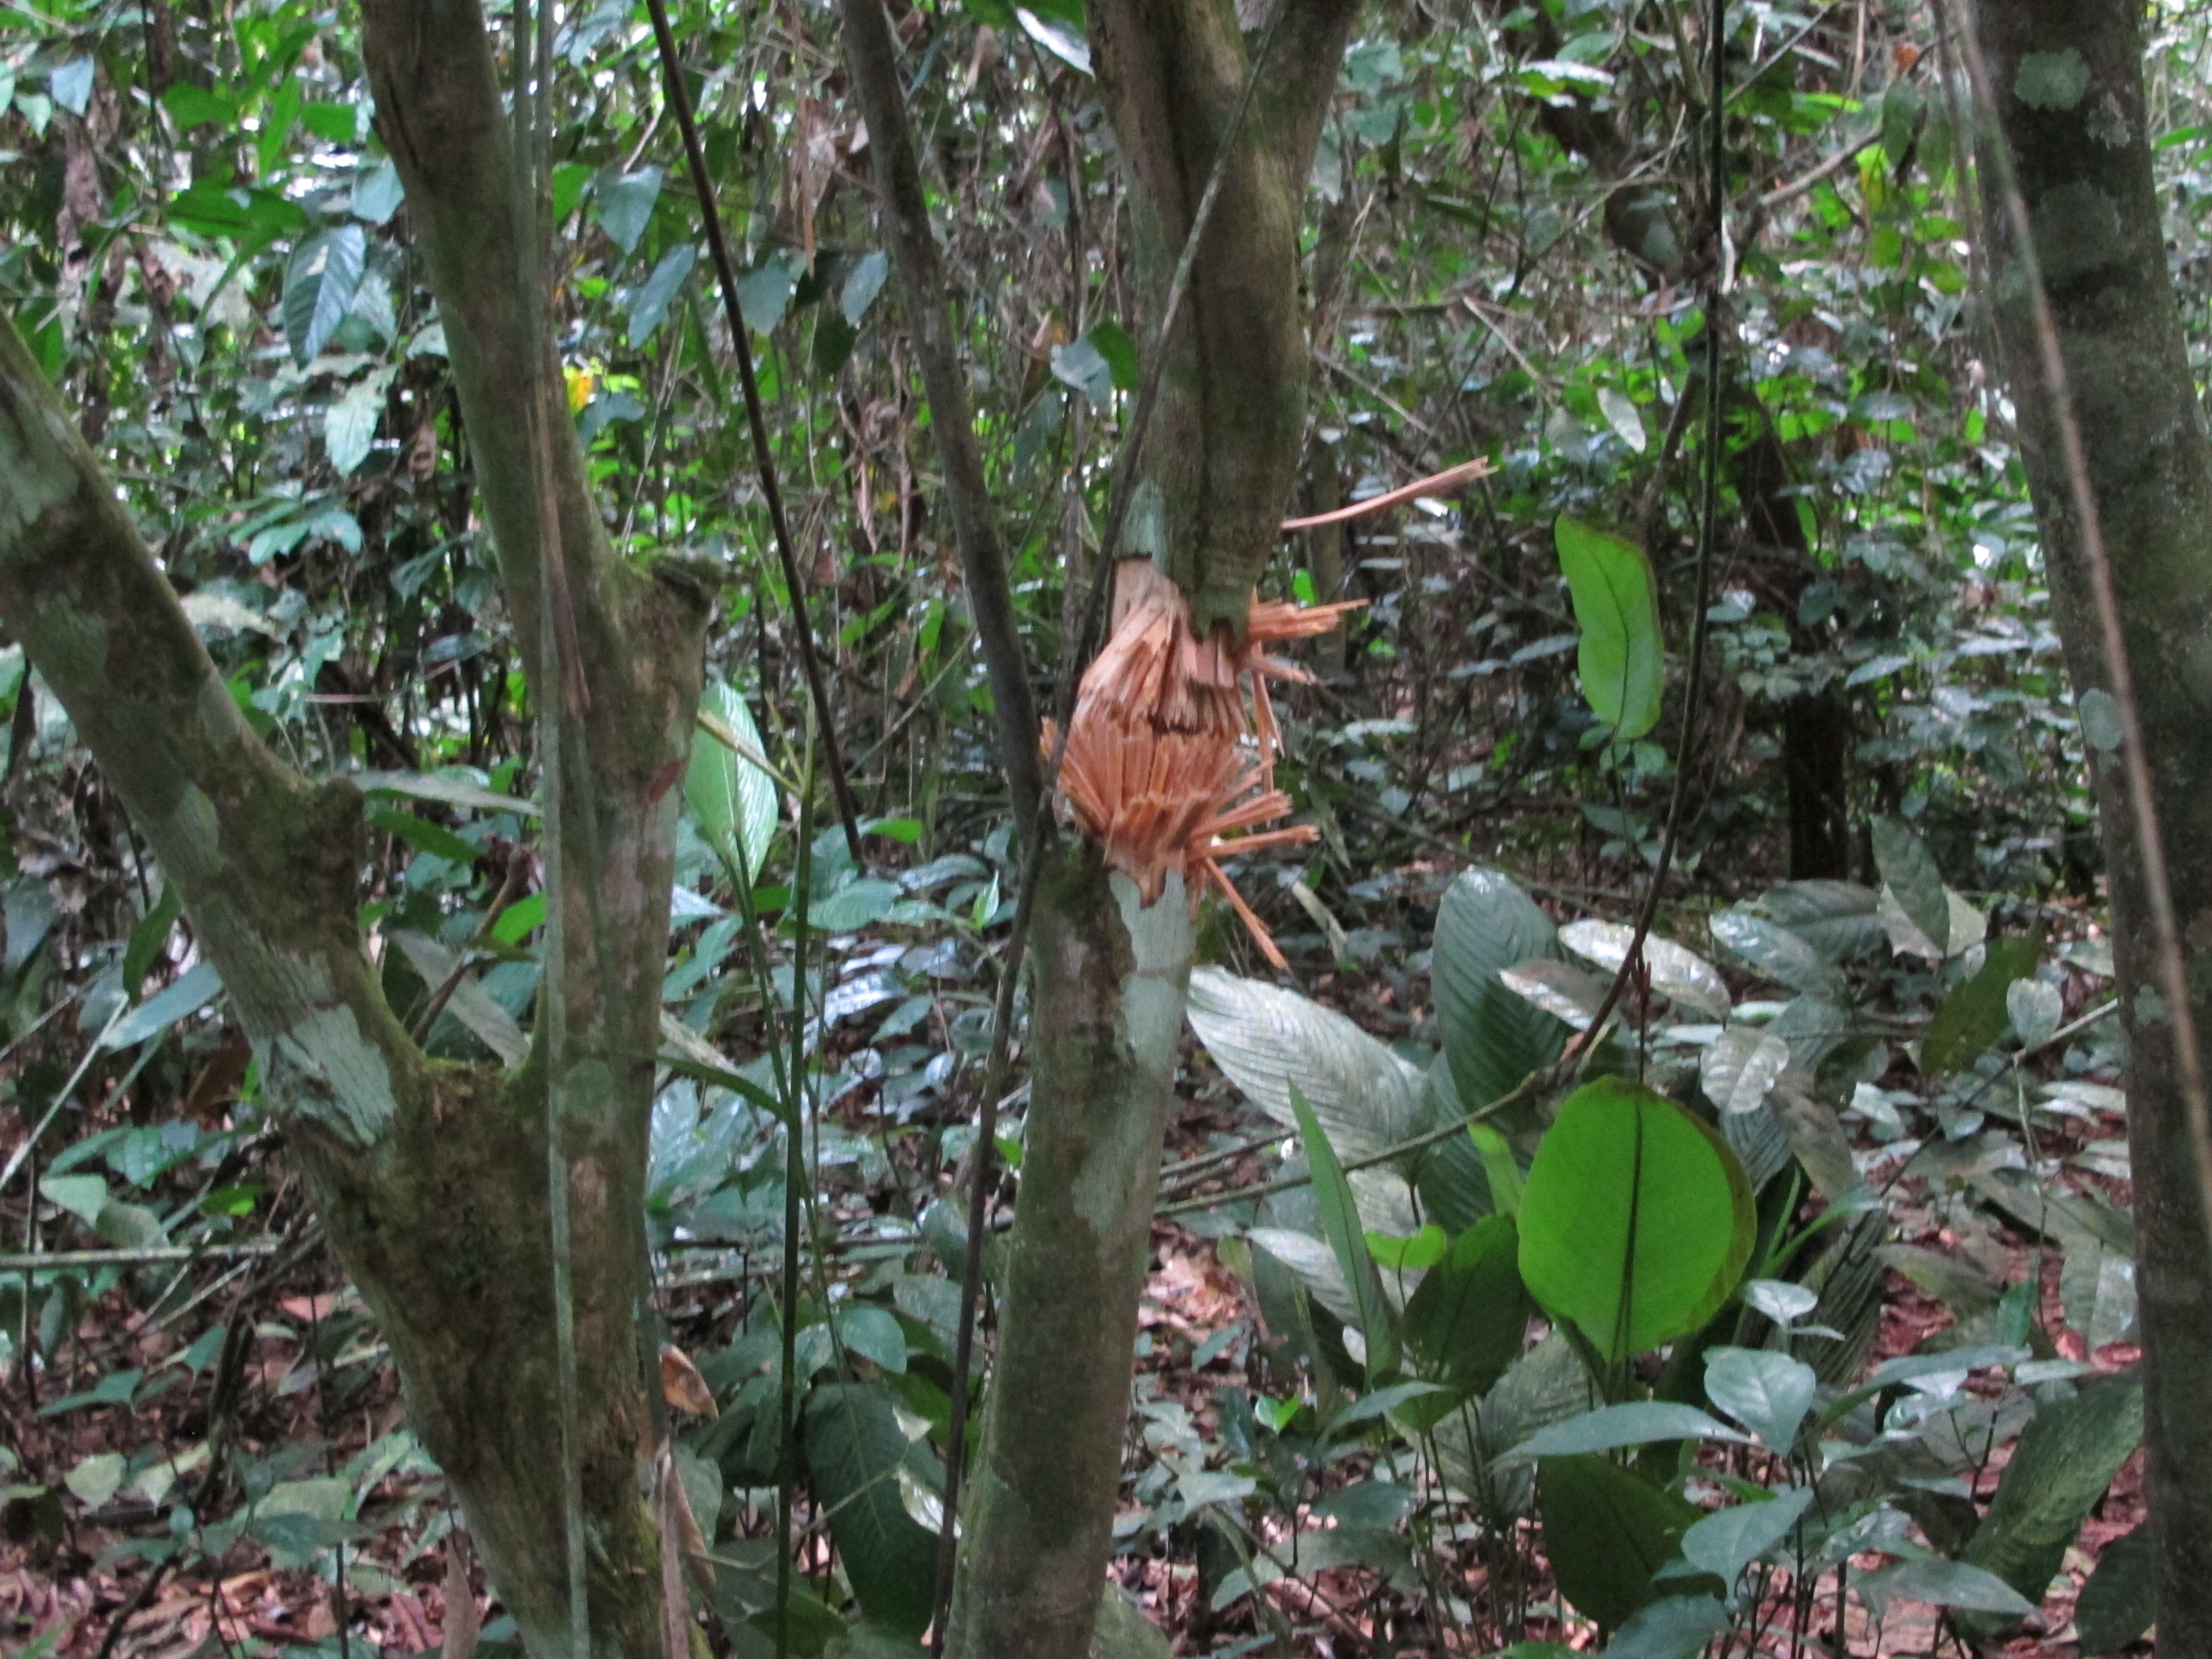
70,1585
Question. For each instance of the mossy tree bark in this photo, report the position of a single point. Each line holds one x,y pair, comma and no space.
431,1177
2068,81
1110,973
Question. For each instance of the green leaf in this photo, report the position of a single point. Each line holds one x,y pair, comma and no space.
319,283
1740,1067
735,800
1113,342
1080,365
623,203
191,107
425,836
855,1448
1942,1584
1764,1389
1606,1530
1340,1220
1909,871
1975,1015
71,85
2066,1459
83,1196
1728,1541
442,786
1616,599
1467,1319
1264,1037
1495,1037
1499,1166
349,424
1637,1422
1637,1221
96,1479
1777,952
874,1334
650,299
2118,1604
148,935
191,991
862,283
1415,1253
377,193
517,921
765,293
1675,1627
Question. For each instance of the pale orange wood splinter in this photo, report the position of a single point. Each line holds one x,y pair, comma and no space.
1436,483
1164,760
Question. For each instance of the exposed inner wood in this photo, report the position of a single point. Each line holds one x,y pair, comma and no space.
1169,766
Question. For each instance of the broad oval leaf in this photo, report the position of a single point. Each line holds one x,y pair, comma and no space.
1638,1423
1740,1067
1777,952
855,1450
1909,871
1943,1584
1607,1529
1764,1389
1679,974
1616,599
1568,993
726,784
1471,1313
1637,1221
1494,1039
1264,1038
1728,1541
319,283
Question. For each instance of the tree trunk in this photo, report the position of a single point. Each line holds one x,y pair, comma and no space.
1106,1011
431,1177
1111,972
2068,79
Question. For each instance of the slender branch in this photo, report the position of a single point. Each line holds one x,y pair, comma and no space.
1707,519
929,320
679,101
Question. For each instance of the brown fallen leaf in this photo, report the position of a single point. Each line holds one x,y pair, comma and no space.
682,1386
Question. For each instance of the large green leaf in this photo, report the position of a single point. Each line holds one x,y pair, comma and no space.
1637,1221
1265,1038
855,1449
1347,1239
735,800
1494,1036
1606,1530
1469,1316
2066,1459
1616,598
1975,1015
2117,1604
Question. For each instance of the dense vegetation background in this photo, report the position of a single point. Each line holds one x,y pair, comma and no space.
1891,977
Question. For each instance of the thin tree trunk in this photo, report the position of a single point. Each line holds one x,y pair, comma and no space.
1107,1012
1111,972
2068,86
